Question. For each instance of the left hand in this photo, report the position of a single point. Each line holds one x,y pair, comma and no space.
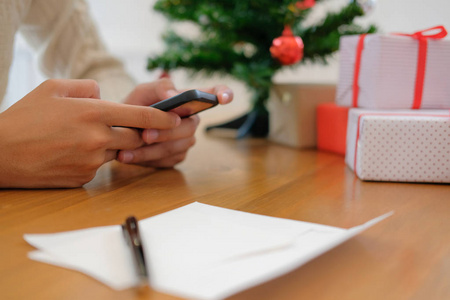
165,148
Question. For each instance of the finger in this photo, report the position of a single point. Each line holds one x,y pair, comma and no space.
125,139
168,162
149,93
186,129
165,88
110,155
224,94
74,88
124,115
156,151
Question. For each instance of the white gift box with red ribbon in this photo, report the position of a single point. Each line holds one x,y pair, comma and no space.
399,145
395,71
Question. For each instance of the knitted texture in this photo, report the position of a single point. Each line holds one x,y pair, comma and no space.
66,41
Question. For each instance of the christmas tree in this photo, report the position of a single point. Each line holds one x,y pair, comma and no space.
242,38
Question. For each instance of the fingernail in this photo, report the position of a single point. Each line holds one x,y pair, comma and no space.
151,135
178,121
225,97
127,157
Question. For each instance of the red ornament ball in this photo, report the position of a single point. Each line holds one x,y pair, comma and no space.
287,49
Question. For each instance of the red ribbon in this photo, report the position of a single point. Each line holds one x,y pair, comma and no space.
422,58
359,49
422,38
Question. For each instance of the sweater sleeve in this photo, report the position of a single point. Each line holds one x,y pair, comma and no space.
68,45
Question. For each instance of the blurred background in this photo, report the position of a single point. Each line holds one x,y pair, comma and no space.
132,30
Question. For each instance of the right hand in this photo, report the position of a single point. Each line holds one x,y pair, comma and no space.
61,133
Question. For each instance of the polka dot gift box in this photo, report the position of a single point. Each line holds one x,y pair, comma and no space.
399,145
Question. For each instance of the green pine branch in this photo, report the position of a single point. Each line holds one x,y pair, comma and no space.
236,37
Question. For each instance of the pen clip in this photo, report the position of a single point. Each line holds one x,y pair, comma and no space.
132,236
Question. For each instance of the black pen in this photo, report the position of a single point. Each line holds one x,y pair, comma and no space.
134,241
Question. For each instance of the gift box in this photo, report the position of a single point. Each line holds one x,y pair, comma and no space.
292,112
332,127
395,71
399,145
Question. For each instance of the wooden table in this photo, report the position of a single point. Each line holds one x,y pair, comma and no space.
406,256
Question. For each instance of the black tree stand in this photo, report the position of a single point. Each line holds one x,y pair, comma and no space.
253,124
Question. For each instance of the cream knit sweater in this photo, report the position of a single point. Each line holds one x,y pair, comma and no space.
65,38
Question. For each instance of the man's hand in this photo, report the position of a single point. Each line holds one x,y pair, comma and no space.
61,133
165,148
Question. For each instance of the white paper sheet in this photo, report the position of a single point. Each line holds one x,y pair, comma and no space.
197,251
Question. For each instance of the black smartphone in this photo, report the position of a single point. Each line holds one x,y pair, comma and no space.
188,103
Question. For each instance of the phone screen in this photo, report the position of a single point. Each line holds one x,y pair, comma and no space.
191,107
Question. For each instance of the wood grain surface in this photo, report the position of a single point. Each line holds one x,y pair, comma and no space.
406,256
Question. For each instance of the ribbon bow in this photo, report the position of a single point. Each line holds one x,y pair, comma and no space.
422,37
442,33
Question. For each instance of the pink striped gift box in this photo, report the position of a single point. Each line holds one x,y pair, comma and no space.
394,71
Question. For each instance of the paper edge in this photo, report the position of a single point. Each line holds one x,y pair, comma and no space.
42,256
283,270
